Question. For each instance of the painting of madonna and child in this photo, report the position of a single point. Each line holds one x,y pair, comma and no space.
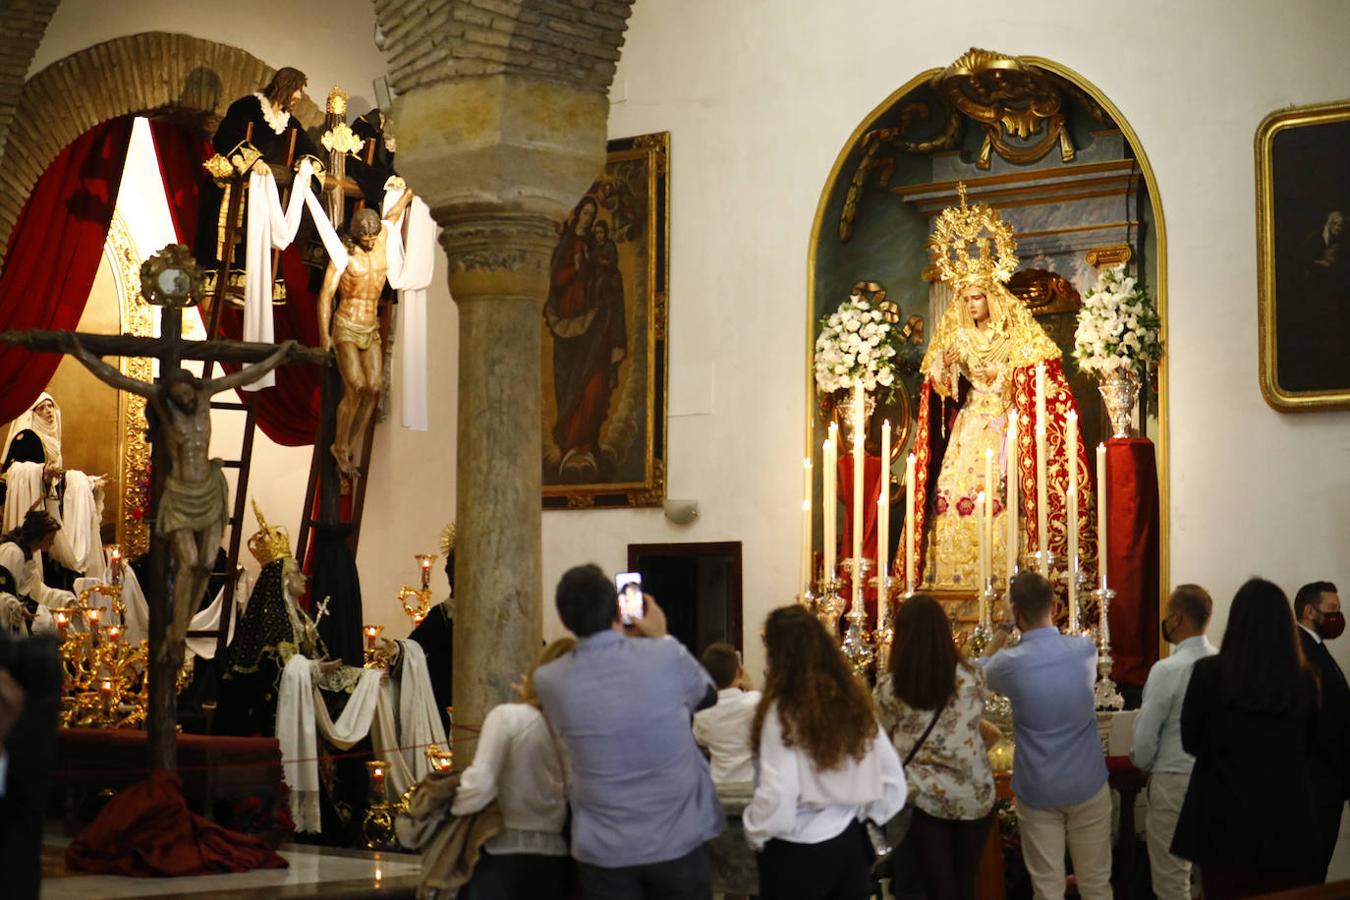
603,403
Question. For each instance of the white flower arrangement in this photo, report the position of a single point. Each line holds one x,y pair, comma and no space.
857,342
1117,326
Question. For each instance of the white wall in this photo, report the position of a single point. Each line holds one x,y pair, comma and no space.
411,494
760,98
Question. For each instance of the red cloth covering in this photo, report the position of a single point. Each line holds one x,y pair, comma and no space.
288,412
1132,557
54,254
147,830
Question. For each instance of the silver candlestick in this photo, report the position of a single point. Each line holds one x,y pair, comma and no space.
856,646
1108,697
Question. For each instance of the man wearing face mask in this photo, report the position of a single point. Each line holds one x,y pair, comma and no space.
1157,735
1317,606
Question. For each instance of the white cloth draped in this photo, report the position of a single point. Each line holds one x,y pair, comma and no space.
401,739
24,492
411,269
272,228
138,611
81,516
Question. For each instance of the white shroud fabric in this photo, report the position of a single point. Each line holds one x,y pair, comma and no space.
138,611
411,270
401,739
81,516
25,490
272,228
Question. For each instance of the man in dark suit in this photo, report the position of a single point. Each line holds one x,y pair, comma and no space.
1317,607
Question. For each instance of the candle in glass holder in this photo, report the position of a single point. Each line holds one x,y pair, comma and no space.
115,563
372,632
105,688
377,769
62,618
424,560
113,632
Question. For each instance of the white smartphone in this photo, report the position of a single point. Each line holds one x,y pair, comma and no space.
631,604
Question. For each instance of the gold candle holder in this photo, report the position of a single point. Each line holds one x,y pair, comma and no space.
372,633
424,561
378,826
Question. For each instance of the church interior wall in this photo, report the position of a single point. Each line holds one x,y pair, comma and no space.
411,493
758,107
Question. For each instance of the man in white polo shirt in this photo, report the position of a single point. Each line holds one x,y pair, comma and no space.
1157,735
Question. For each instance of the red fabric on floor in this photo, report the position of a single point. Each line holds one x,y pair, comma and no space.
1132,560
147,830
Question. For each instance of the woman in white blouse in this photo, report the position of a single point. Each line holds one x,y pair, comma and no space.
930,689
823,764
518,764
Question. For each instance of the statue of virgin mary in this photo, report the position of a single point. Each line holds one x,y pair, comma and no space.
980,373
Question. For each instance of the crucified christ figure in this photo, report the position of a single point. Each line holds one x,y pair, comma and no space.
354,335
192,510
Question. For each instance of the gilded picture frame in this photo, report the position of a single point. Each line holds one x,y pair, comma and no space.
603,373
1303,257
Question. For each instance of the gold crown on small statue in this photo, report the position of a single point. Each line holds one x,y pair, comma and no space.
269,542
957,228
448,539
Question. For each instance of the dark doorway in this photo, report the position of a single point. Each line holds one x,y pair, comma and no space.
698,587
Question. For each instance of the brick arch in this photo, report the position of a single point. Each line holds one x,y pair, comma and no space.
573,42
154,73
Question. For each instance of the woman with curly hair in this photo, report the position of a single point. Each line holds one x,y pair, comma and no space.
823,764
931,702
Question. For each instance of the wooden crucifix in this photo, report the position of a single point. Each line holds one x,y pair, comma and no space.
189,493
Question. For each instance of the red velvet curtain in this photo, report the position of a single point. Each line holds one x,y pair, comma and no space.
289,412
54,254
1132,557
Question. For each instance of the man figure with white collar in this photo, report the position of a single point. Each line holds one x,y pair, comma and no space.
1157,735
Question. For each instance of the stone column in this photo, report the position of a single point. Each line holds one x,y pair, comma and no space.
500,160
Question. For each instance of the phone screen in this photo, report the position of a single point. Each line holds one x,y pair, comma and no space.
631,604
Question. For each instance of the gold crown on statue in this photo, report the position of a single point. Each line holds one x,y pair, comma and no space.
448,539
337,101
954,233
269,543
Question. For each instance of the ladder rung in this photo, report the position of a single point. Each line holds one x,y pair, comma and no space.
227,404
232,463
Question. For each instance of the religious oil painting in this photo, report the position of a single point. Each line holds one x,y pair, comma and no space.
604,337
1303,202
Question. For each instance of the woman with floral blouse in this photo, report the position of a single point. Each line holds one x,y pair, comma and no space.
950,781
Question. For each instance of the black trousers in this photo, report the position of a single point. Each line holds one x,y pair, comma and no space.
509,875
1329,821
949,852
837,869
687,878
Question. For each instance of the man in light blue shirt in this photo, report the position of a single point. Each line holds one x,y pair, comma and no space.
1157,735
1059,771
643,804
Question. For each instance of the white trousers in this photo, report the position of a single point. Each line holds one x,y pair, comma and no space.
1171,874
1086,830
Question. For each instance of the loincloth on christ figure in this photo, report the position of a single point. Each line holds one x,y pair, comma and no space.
345,331
194,505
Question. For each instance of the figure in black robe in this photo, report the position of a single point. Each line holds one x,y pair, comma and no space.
372,176
436,635
269,114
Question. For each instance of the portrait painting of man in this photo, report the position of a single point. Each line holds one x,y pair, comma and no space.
604,338
1304,192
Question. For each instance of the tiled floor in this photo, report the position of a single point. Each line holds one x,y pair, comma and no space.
313,872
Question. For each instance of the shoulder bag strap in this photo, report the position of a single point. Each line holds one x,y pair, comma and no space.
913,751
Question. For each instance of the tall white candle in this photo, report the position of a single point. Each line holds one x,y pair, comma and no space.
984,546
1071,450
1010,514
858,473
909,524
1102,490
806,526
884,504
987,534
1071,500
830,503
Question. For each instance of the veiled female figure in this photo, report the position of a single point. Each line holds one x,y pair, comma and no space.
979,374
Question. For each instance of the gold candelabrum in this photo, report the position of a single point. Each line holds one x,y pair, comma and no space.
103,675
374,658
416,601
